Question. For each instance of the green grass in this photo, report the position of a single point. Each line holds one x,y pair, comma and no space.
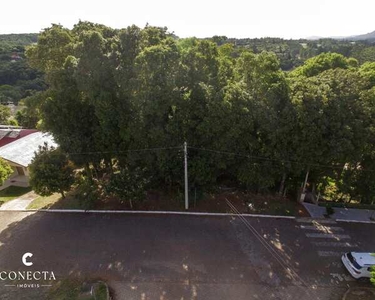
44,202
56,201
100,291
12,192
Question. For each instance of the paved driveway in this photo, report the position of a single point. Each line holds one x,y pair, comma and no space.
20,203
185,257
340,213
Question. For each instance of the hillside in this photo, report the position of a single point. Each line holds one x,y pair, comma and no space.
17,40
292,53
368,37
17,79
363,37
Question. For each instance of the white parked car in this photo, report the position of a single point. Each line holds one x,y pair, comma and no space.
359,264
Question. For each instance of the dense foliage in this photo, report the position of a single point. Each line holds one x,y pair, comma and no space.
114,92
17,79
292,53
5,170
51,172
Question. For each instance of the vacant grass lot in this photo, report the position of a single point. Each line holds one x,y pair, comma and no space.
44,202
214,203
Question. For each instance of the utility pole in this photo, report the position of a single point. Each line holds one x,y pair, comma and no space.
186,179
306,178
304,184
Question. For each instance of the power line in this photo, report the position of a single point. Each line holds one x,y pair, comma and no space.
218,152
283,263
271,159
124,151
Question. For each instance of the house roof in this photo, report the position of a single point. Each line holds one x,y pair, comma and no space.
10,135
22,151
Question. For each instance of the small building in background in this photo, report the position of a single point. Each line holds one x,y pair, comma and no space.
18,147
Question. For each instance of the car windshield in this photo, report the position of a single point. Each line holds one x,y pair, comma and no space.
353,261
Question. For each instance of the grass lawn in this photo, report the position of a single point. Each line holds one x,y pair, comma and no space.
56,201
12,192
44,202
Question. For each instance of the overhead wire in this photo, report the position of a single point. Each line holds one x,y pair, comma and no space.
253,157
290,270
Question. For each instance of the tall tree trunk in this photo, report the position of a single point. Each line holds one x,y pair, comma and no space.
282,184
285,190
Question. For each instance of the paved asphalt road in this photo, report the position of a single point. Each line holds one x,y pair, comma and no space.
170,257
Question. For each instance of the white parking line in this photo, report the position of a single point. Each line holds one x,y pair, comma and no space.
328,235
321,228
330,253
335,244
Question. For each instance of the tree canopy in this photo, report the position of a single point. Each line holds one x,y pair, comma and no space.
5,170
112,93
51,172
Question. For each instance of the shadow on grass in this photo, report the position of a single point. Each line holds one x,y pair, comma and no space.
56,201
12,192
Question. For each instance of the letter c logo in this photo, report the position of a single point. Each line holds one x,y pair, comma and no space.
24,261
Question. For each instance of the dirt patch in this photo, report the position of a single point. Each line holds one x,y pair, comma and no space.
208,202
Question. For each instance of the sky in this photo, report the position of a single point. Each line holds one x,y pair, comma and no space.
200,18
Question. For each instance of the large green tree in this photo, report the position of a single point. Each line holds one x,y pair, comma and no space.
51,172
5,170
114,95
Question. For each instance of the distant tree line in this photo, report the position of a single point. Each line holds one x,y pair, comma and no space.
292,53
17,79
121,103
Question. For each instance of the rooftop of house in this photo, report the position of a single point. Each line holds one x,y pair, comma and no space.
22,149
9,135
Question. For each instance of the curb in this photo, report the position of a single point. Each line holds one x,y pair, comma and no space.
149,212
355,221
182,213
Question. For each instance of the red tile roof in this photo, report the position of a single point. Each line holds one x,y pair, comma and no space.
24,132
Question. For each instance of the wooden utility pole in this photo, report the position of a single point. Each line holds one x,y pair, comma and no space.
186,179
304,184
